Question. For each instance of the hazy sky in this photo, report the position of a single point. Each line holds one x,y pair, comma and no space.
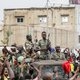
26,3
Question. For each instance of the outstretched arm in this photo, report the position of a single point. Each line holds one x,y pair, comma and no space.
76,73
11,73
38,71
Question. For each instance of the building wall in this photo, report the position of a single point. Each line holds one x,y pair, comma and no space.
60,34
77,16
57,18
1,35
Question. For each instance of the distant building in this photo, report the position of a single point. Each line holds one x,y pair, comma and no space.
59,22
74,1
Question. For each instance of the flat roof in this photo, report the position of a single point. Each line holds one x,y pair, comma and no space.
39,8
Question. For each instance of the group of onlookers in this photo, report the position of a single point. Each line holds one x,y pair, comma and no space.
17,63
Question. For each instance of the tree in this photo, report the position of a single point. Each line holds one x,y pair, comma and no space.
6,39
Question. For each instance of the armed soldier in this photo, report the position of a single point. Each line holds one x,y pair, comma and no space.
29,47
44,45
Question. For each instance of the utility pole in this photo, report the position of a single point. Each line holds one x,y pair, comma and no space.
47,12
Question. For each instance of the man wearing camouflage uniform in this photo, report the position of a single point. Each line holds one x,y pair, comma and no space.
44,45
58,55
29,47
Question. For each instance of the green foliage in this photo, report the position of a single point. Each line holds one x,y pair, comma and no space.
6,40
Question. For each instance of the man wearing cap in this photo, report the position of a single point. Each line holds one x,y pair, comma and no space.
58,55
29,47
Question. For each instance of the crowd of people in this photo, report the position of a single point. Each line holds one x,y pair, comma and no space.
18,62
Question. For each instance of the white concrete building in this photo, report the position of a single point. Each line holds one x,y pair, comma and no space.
77,16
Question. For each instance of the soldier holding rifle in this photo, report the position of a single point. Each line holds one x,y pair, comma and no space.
44,45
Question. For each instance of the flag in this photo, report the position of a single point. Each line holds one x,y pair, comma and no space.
74,1
66,67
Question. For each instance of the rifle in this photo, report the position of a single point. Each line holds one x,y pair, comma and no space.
48,36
